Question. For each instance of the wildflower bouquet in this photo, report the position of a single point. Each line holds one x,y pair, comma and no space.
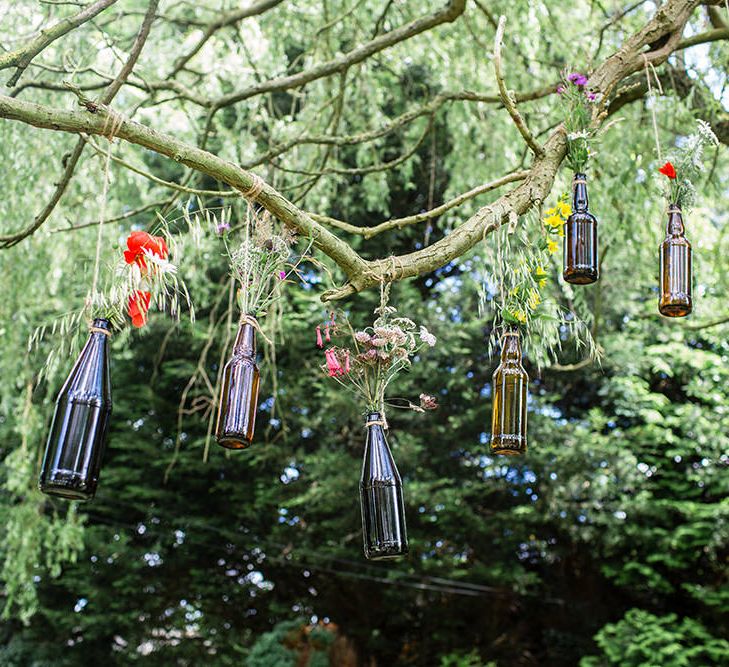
685,165
374,356
577,103
514,289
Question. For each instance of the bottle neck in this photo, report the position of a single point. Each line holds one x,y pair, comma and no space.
579,193
374,419
245,340
511,347
674,224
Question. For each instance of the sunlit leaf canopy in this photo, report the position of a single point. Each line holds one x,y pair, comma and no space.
383,134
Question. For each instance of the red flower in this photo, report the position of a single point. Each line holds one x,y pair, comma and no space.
668,170
138,242
138,306
334,366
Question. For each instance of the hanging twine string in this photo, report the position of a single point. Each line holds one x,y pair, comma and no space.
648,70
112,123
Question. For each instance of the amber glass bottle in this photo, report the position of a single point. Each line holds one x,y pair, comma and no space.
80,422
381,498
580,238
239,392
509,416
675,258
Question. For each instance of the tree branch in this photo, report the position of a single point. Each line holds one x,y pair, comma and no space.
507,95
399,223
449,13
9,240
22,57
230,18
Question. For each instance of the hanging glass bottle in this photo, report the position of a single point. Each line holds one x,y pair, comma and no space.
381,497
239,391
509,414
580,239
80,422
675,259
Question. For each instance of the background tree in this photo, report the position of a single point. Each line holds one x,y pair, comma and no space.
376,129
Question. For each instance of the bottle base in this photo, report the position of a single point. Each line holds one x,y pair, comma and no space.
508,447
675,309
581,277
67,486
234,441
388,551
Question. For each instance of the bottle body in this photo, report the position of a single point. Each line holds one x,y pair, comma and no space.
381,497
580,238
509,413
80,424
239,392
675,265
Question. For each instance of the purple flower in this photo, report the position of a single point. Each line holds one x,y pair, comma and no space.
577,78
222,228
592,96
560,89
282,275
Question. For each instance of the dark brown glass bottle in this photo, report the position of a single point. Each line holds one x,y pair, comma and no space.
509,414
580,238
80,423
239,392
381,497
675,258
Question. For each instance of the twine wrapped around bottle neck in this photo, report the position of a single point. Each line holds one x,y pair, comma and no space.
101,330
377,422
579,181
245,318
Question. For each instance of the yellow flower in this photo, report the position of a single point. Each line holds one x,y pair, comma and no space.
520,315
541,275
560,232
550,211
552,246
554,221
565,210
534,299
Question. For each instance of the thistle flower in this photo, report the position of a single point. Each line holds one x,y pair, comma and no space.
577,78
427,337
428,402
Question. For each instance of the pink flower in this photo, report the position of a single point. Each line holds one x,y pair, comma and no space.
326,334
282,275
428,402
560,89
592,96
334,368
319,341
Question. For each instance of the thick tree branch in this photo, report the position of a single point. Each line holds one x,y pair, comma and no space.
95,119
22,57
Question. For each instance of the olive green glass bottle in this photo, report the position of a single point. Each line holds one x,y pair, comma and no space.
675,259
509,416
